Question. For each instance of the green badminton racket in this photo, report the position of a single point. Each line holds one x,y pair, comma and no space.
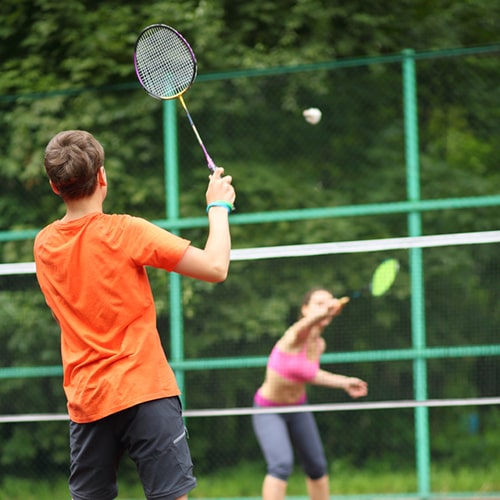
381,281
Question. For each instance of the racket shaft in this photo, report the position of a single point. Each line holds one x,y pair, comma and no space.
210,162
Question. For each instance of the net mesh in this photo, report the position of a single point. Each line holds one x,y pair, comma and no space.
225,354
164,62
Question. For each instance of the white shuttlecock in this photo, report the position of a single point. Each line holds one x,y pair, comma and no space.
312,115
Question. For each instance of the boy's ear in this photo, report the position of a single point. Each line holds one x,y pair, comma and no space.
54,187
102,177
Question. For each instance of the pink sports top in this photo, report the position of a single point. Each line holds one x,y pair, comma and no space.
294,367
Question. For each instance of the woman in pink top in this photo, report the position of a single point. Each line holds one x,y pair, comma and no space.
294,363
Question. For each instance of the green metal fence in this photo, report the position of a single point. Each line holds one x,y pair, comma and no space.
420,199
413,206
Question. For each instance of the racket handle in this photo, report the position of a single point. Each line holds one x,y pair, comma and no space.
344,300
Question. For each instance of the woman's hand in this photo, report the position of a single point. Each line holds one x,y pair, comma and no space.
355,387
329,309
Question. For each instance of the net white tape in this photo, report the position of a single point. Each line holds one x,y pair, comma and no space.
366,245
221,412
274,252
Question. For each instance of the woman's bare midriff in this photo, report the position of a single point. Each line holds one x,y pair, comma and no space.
281,390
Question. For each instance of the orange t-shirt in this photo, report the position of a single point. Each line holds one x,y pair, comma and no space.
92,274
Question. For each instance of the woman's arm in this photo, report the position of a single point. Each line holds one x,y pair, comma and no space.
301,329
355,387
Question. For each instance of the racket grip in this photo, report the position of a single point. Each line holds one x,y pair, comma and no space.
210,163
344,300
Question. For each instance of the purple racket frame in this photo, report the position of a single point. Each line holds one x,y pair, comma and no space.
179,95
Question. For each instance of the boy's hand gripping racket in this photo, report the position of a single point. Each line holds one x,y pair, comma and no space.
166,68
382,279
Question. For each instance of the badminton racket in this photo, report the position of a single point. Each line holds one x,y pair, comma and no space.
166,67
381,281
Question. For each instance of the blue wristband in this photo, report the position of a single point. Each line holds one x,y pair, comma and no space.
228,206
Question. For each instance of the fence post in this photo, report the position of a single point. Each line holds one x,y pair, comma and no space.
410,104
172,212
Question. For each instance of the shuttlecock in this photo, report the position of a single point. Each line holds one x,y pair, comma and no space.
312,115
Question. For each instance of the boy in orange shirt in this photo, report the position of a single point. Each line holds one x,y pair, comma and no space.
121,392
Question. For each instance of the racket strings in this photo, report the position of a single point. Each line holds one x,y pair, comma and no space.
165,63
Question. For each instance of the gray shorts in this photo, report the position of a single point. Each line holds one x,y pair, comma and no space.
154,436
279,434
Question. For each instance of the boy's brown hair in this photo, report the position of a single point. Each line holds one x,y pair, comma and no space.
72,160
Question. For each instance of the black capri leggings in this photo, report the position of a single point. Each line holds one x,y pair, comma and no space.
279,433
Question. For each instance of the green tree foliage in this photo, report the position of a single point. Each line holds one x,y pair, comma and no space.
66,65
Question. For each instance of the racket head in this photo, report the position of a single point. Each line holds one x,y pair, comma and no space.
164,62
384,276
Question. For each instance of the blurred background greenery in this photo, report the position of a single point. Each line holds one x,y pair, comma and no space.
68,65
